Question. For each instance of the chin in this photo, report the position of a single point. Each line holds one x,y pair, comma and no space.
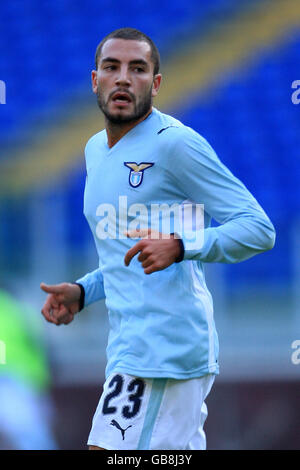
120,117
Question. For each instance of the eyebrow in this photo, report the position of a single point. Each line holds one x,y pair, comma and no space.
132,62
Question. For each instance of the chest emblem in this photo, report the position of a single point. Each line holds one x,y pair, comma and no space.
137,172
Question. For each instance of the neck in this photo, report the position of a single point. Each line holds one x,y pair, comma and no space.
115,132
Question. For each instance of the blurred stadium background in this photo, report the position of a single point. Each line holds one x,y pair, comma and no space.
228,68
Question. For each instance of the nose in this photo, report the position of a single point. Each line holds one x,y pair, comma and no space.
123,78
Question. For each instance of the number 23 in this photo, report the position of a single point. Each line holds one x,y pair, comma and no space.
136,385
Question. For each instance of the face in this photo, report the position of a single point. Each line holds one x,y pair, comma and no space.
124,81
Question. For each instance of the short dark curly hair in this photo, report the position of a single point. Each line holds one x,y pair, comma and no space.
131,34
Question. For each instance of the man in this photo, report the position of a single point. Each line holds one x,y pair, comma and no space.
162,347
26,410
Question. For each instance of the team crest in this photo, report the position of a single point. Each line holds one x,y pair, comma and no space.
137,172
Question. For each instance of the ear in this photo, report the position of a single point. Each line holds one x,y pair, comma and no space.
94,81
156,84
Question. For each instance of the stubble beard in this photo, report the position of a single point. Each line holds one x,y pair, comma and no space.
140,109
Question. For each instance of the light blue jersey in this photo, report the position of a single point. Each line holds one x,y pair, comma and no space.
162,325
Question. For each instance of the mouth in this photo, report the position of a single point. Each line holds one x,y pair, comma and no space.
121,98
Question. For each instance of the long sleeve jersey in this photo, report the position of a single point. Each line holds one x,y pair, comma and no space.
162,324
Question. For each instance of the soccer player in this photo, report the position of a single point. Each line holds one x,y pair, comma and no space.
162,352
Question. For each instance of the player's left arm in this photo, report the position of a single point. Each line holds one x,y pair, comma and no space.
245,230
156,251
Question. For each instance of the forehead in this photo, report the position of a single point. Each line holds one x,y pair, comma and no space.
126,50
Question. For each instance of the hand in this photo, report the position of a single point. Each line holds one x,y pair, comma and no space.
62,302
157,250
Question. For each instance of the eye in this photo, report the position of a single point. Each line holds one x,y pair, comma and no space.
138,69
110,67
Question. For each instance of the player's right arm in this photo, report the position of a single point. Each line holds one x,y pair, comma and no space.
66,299
62,302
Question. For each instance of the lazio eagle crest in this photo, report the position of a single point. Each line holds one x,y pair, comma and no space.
137,172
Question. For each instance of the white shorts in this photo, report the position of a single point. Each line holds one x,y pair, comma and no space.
157,414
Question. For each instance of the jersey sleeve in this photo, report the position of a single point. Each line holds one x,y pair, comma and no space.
244,230
92,282
93,287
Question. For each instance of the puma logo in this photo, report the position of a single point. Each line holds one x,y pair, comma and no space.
116,424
